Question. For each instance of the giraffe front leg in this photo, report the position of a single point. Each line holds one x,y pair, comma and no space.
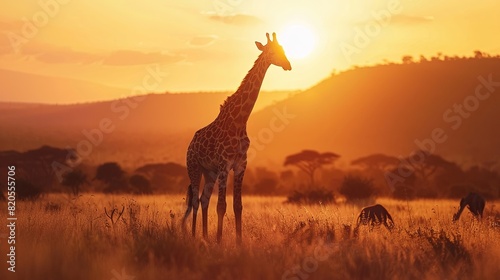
221,204
237,203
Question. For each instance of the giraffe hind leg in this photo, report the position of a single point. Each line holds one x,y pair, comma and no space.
195,177
189,199
205,201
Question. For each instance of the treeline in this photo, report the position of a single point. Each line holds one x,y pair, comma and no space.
54,170
307,176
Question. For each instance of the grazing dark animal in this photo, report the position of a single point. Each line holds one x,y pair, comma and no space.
475,203
375,215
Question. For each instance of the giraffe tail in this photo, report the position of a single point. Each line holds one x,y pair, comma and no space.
189,203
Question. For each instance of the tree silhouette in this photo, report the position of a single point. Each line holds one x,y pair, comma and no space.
375,166
170,169
267,182
167,176
405,188
478,54
376,161
112,175
33,179
309,161
27,190
426,168
140,184
428,174
407,59
36,166
74,180
356,187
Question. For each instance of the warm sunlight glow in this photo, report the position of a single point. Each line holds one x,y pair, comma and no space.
298,40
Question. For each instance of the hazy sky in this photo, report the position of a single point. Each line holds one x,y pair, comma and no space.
209,45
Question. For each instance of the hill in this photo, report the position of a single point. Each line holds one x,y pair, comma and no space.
378,109
387,108
151,127
32,88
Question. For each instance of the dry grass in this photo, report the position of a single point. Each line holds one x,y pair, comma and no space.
62,239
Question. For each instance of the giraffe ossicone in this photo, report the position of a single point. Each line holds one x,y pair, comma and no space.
222,145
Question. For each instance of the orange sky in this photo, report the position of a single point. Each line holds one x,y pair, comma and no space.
204,48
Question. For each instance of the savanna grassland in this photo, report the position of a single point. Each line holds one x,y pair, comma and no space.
61,238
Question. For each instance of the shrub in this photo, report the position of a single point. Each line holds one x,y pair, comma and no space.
140,184
356,187
26,190
312,196
402,191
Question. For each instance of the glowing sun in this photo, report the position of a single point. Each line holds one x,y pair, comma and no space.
298,40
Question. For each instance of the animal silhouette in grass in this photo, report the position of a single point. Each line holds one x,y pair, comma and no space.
375,215
222,145
474,202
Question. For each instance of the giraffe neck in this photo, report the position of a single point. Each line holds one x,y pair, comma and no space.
239,105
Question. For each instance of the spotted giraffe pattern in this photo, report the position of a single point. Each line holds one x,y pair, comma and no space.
222,145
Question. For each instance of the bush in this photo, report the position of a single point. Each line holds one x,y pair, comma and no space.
312,196
26,190
357,187
266,186
140,184
403,192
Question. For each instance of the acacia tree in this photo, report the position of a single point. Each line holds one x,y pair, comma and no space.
428,167
112,175
357,187
422,168
165,176
376,161
375,166
74,180
309,161
140,184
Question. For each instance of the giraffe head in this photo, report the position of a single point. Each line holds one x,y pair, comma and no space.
274,52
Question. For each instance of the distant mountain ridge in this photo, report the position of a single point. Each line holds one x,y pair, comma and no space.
378,109
26,88
387,108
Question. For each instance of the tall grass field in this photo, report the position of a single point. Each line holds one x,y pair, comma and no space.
58,237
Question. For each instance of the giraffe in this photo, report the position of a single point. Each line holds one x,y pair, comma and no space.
222,145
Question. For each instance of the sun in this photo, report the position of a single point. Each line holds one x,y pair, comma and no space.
298,40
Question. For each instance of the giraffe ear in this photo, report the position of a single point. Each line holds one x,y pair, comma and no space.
259,46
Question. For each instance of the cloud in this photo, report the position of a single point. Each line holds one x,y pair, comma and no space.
408,19
52,54
127,57
115,58
62,55
67,56
8,28
239,19
202,41
404,20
